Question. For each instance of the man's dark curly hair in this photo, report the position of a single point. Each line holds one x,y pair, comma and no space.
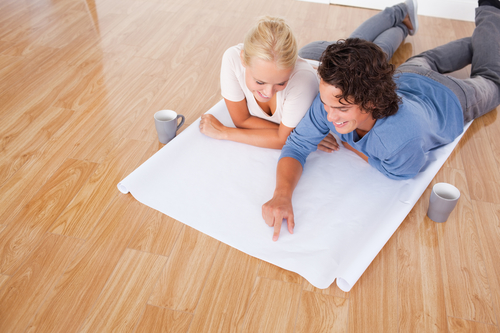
360,70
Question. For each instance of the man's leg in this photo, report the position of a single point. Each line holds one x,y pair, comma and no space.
385,28
481,93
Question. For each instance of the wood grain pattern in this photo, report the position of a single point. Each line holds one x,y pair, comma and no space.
478,155
34,280
322,313
373,301
184,276
22,235
157,234
21,187
226,295
492,126
79,83
100,190
487,218
15,150
458,325
3,280
421,303
111,130
463,266
74,295
270,271
333,290
122,300
273,307
162,320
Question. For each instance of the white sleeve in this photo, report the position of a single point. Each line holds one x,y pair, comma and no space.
300,94
229,84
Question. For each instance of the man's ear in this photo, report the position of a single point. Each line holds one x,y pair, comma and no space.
369,108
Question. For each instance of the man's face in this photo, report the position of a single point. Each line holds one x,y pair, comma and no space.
345,117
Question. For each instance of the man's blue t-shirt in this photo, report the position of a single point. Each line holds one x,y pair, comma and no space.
429,117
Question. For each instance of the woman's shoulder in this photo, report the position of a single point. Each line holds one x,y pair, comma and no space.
233,52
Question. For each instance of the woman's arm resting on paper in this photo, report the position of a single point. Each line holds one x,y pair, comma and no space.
267,137
250,130
280,207
360,154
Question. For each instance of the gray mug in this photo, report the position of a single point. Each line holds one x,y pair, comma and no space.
444,198
166,124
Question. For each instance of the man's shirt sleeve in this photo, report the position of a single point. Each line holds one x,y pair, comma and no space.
305,138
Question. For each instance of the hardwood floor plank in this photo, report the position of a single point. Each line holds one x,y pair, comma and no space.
113,63
273,307
26,90
373,300
270,271
28,104
488,225
467,292
21,187
322,313
23,234
162,320
120,118
75,294
119,308
181,282
80,217
33,281
227,291
333,290
17,149
78,94
3,280
157,234
458,325
421,304
491,123
477,155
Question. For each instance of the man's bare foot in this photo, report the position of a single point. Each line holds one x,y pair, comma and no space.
411,19
407,22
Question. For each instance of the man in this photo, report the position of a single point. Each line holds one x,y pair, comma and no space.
392,120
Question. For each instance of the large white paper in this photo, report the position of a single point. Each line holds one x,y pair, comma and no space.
345,210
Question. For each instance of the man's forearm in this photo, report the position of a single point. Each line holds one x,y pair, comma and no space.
288,173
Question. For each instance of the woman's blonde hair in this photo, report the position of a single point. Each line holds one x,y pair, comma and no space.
271,39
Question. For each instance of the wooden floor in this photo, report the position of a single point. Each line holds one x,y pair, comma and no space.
79,84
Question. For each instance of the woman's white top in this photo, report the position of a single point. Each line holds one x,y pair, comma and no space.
291,103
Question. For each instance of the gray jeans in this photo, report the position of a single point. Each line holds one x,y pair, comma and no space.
480,93
384,29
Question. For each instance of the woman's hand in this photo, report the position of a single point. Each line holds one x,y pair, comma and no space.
328,144
212,127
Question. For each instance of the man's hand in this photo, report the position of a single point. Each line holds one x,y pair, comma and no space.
277,209
210,126
328,144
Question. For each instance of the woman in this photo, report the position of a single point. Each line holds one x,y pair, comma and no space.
268,88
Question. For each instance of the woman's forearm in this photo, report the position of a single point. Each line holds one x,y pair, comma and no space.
260,137
253,122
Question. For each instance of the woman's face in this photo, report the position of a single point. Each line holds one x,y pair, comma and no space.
264,79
